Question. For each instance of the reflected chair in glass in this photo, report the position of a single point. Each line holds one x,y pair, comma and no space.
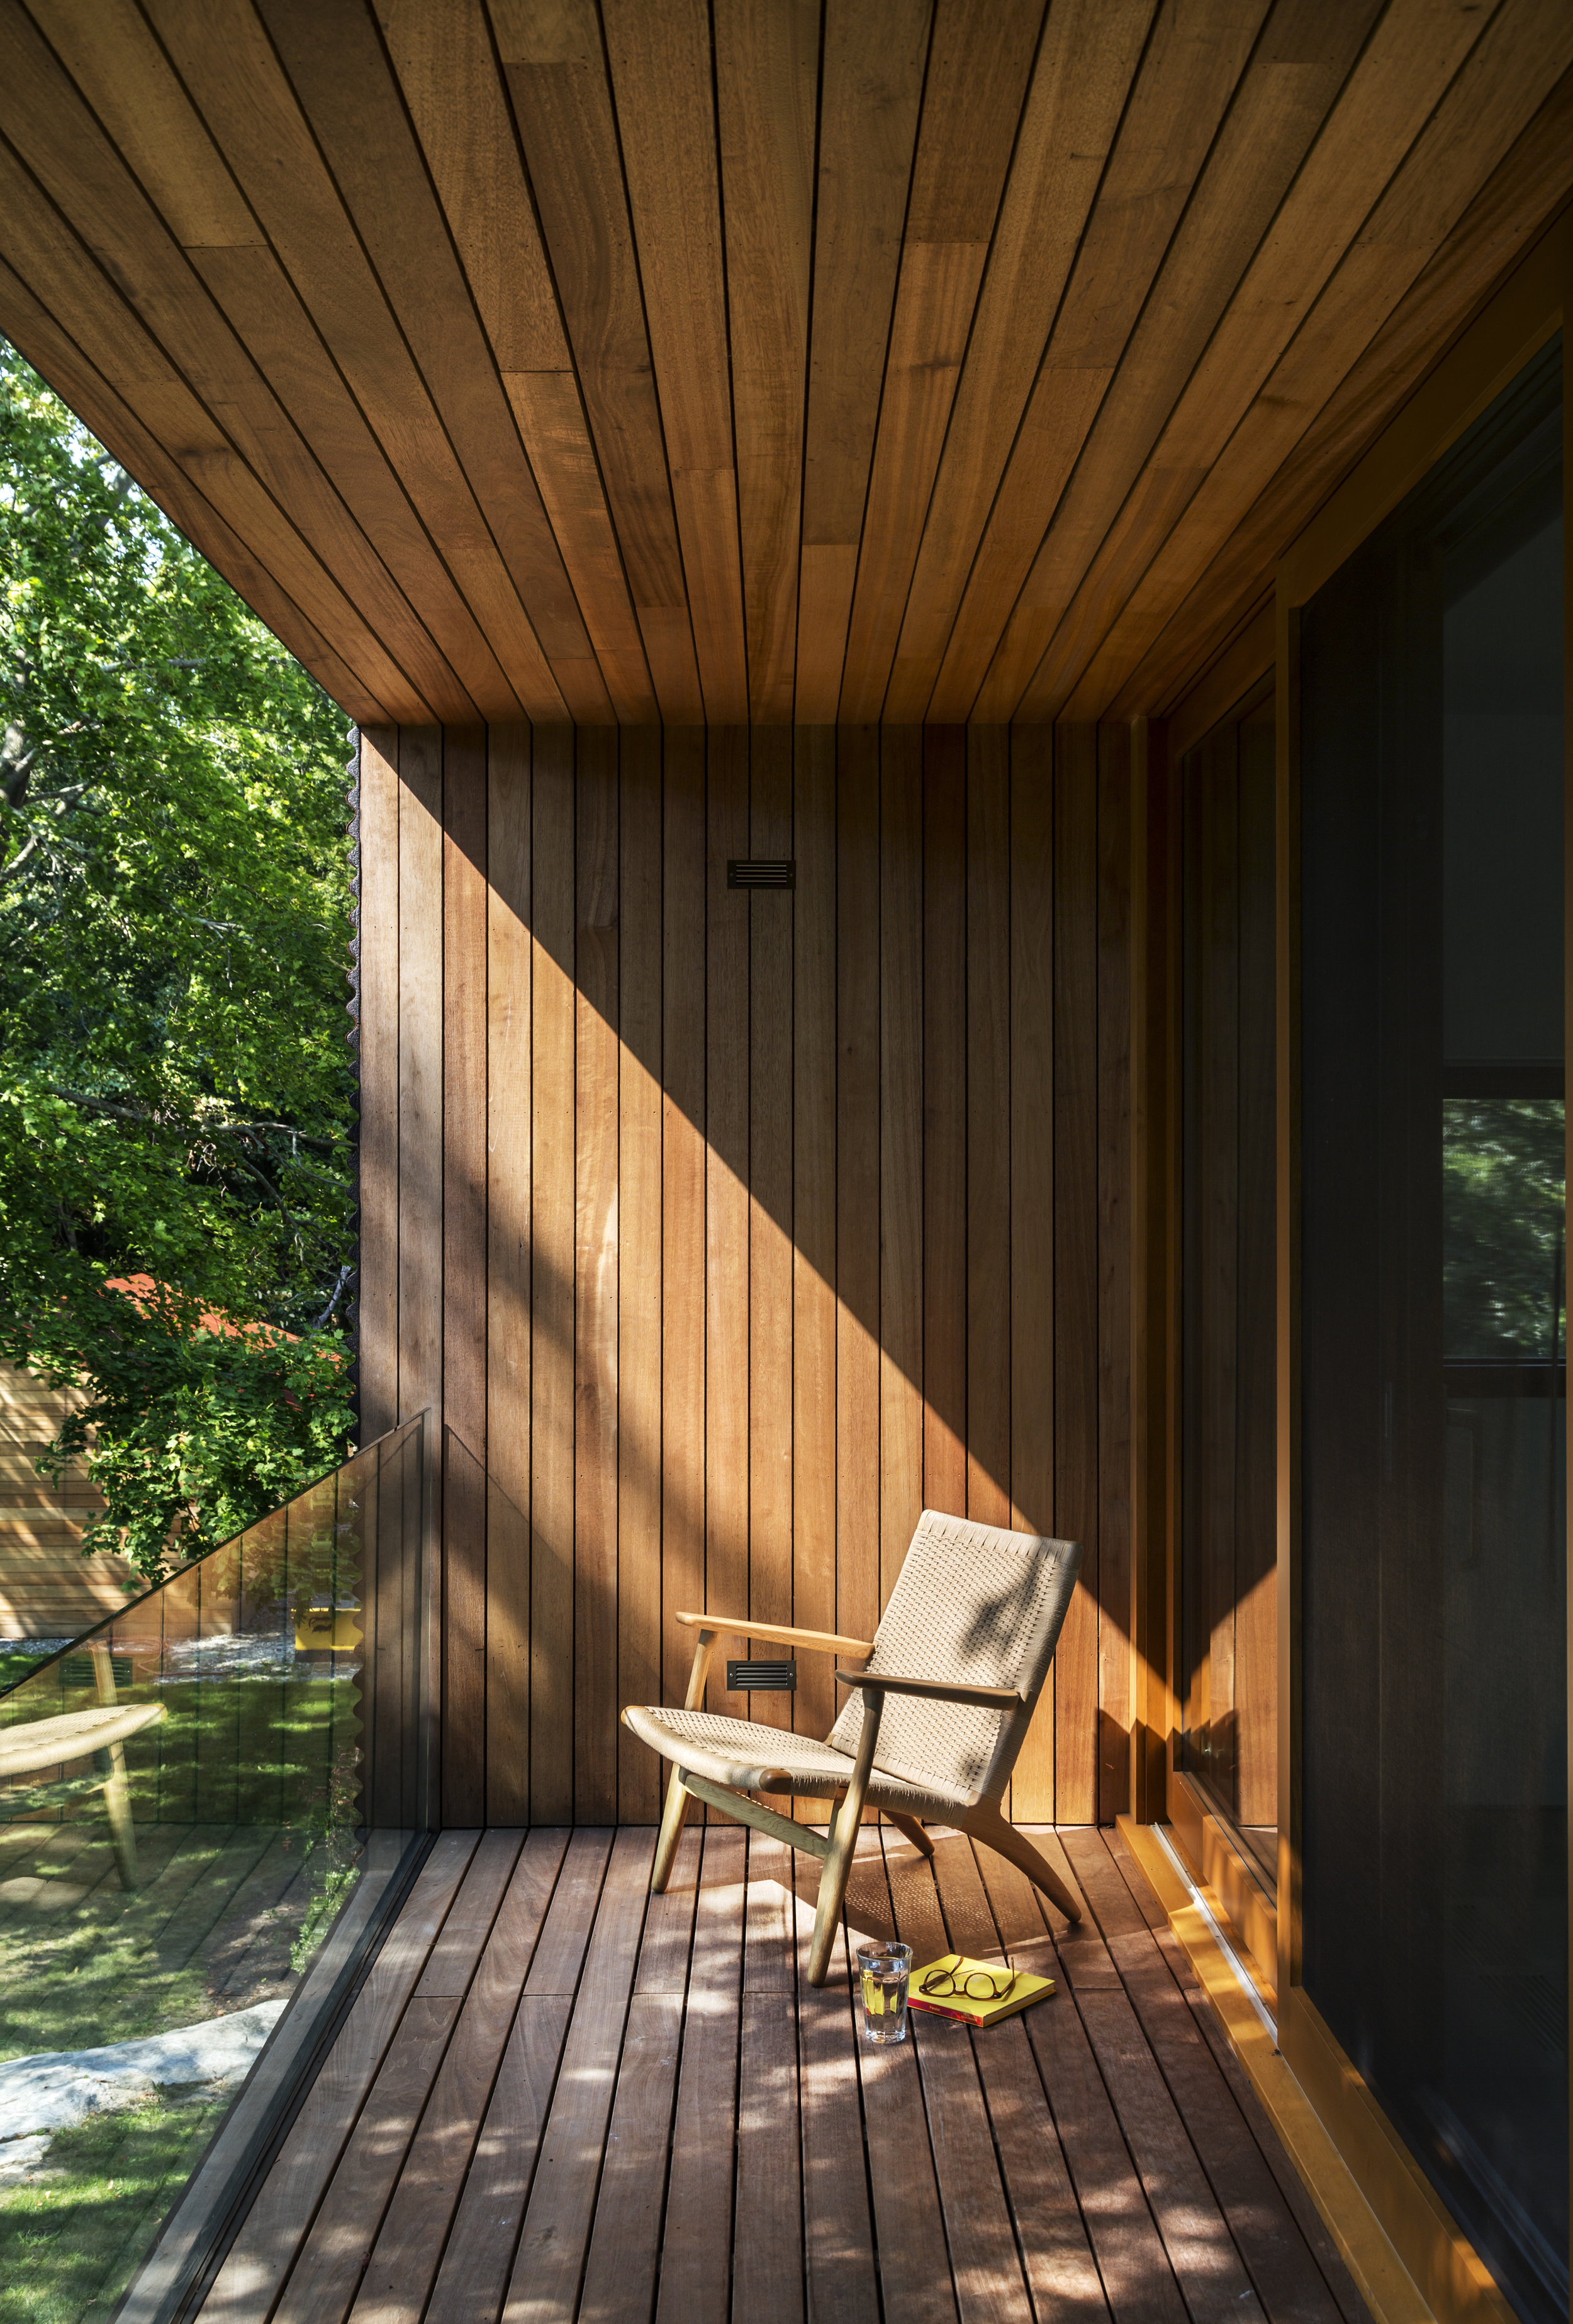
38,1745
933,1728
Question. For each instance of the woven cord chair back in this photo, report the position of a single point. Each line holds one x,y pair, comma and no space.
976,1604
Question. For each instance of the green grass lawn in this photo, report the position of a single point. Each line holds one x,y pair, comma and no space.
19,1655
71,2239
242,1796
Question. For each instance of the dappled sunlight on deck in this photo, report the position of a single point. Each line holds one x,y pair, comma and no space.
558,2097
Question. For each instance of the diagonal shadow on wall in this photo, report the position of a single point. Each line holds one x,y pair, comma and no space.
729,1230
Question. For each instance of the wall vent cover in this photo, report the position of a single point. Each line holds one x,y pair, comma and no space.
763,1677
762,871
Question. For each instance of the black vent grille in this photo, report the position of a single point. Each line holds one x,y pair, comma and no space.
762,1678
77,1670
762,871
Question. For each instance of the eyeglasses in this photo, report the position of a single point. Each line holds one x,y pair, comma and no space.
977,1985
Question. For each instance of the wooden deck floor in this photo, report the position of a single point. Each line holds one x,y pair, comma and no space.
556,2097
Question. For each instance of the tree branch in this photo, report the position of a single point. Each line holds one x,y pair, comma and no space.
346,1275
198,1126
9,871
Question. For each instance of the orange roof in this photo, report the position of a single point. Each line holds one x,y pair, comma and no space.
142,1288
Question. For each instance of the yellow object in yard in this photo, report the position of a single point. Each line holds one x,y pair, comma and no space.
328,1629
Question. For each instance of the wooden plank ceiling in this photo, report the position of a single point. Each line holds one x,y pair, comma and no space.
788,360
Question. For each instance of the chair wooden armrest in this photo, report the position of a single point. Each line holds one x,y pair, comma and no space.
936,1689
824,1642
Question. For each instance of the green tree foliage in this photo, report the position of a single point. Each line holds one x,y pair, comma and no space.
1504,1292
176,1090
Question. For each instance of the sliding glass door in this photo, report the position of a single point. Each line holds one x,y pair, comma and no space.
1433,1266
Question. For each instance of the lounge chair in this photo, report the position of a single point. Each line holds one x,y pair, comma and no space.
932,1727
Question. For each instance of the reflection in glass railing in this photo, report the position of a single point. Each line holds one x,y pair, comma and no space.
184,1799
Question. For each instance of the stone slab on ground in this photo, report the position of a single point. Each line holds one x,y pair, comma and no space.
54,2088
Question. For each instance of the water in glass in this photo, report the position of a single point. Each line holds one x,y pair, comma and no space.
885,1970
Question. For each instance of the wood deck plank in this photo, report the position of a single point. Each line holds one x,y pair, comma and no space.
1207,2262
405,2258
696,2250
555,1966
549,2260
560,2097
1061,2273
1132,2261
1211,2025
625,2249
837,2223
326,2279
990,2283
914,2264
624,2253
277,2223
669,1924
474,2275
1281,2268
767,2258
447,1974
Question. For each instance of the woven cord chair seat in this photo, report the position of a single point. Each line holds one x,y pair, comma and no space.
741,1753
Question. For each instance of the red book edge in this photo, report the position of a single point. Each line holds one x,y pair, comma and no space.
980,2025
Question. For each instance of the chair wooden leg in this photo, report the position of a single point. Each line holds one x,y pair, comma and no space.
843,1843
117,1807
673,1816
910,1828
985,1822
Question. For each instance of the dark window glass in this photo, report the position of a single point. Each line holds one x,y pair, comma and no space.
1434,1330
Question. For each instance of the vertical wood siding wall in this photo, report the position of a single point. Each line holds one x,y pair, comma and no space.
722,1233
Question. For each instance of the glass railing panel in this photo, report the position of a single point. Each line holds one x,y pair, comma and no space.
186,1797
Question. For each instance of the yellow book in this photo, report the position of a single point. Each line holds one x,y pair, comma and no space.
969,2009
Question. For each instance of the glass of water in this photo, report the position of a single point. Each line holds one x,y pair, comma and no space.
885,1970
